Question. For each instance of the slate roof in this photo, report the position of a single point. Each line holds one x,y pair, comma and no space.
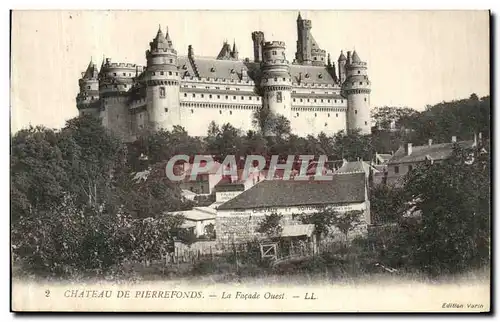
355,167
346,188
223,70
419,153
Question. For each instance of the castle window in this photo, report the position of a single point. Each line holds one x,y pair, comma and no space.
308,100
341,101
294,99
114,74
227,97
315,58
166,109
365,99
326,124
353,83
335,101
328,114
279,97
321,100
170,61
220,112
297,114
124,74
301,99
192,111
284,79
359,72
360,83
185,94
161,73
210,96
274,52
242,98
115,86
234,97
218,96
337,115
88,87
170,73
230,112
315,114
176,73
396,169
202,95
366,123
194,95
355,111
276,79
314,100
162,92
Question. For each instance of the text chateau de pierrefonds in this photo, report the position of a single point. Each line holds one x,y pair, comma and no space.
192,91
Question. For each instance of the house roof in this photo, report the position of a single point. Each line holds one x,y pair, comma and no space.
194,214
355,167
421,152
346,188
297,230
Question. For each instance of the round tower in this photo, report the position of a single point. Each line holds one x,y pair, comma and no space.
115,82
87,100
162,78
356,88
276,81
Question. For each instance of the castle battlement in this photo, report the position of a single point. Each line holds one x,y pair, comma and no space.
274,43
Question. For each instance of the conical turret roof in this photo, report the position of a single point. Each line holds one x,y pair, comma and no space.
355,57
342,56
91,70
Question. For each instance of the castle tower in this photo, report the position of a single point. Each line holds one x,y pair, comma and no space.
303,54
356,89
162,77
276,81
87,100
341,63
115,82
258,42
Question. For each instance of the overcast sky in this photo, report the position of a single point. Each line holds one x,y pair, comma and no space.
414,57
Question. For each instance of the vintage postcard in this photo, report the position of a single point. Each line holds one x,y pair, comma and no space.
250,161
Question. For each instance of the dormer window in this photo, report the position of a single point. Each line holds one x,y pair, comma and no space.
320,75
232,71
184,67
212,69
307,75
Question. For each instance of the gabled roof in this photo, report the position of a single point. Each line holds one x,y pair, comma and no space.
346,188
423,152
355,167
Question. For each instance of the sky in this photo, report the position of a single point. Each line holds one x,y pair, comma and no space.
414,58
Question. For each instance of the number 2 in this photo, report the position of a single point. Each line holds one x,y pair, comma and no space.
47,293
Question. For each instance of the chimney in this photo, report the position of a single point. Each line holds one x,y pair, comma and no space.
453,139
349,57
475,140
430,142
408,148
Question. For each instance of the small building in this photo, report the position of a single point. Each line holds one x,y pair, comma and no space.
238,219
408,157
200,220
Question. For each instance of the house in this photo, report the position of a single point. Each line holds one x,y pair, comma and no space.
238,219
408,157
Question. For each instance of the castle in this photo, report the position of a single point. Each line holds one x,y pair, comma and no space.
192,91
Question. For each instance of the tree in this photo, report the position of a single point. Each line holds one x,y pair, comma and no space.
351,145
322,221
37,169
454,200
271,225
387,204
346,222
